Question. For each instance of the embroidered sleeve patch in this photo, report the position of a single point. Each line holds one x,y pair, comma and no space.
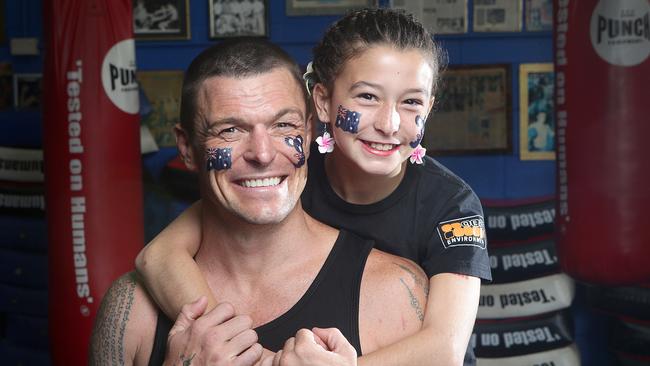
461,232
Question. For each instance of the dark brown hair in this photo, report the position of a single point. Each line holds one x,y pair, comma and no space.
361,29
238,58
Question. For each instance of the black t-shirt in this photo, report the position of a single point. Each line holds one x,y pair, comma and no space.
433,218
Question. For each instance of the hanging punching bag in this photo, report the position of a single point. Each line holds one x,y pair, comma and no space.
92,163
603,131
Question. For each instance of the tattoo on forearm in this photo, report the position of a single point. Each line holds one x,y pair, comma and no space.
415,304
187,361
422,282
107,341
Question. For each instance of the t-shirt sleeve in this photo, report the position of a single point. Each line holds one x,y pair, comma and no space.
456,240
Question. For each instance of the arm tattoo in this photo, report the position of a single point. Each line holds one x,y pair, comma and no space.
187,361
423,283
415,304
107,341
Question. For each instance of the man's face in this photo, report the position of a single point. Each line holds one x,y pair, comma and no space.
252,138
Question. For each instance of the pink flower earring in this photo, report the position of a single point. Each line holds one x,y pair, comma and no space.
417,155
325,143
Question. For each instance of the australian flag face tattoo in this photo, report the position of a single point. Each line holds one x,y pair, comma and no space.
296,143
347,120
218,159
419,121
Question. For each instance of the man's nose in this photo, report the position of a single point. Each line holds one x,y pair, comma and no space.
260,147
388,120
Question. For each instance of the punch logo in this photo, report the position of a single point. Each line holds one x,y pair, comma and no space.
118,76
464,231
620,31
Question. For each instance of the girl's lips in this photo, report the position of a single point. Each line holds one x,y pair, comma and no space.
379,148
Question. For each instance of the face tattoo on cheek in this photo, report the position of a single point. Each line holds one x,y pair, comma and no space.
218,159
419,121
347,120
296,143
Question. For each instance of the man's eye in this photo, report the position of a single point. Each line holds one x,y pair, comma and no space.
285,125
228,130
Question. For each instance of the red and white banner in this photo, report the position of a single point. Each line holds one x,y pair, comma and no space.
92,163
602,67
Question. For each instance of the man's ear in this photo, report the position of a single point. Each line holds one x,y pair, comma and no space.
321,102
184,147
309,133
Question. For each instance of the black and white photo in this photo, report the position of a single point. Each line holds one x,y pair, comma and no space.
161,19
27,91
438,16
497,15
232,18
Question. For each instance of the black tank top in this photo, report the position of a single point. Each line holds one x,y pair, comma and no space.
332,301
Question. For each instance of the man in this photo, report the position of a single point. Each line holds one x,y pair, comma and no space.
243,126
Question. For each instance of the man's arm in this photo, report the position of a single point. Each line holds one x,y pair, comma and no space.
448,321
393,302
167,268
122,322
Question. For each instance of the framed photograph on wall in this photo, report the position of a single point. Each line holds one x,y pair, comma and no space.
536,112
161,19
438,16
325,7
27,91
233,18
162,89
473,112
497,15
539,15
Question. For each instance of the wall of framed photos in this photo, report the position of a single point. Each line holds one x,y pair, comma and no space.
515,50
496,174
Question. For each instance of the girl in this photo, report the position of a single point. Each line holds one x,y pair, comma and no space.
374,78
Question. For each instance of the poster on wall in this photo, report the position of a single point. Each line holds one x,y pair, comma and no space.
27,91
233,19
161,19
536,117
539,15
163,91
438,16
325,7
497,15
473,112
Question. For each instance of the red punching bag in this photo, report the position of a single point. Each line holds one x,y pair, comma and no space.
92,163
602,68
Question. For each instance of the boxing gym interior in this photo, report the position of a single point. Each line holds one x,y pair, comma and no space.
542,110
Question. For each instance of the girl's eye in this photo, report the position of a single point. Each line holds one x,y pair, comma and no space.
366,96
415,102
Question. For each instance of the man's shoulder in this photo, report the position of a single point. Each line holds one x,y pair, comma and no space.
392,301
125,324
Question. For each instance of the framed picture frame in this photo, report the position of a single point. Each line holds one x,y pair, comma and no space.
161,92
325,7
472,114
539,15
497,15
438,16
28,89
161,19
238,18
536,112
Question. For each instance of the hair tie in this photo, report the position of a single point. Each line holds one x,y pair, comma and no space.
309,77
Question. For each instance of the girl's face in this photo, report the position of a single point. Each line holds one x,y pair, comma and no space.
377,107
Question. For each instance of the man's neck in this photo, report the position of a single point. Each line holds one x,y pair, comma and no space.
263,269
